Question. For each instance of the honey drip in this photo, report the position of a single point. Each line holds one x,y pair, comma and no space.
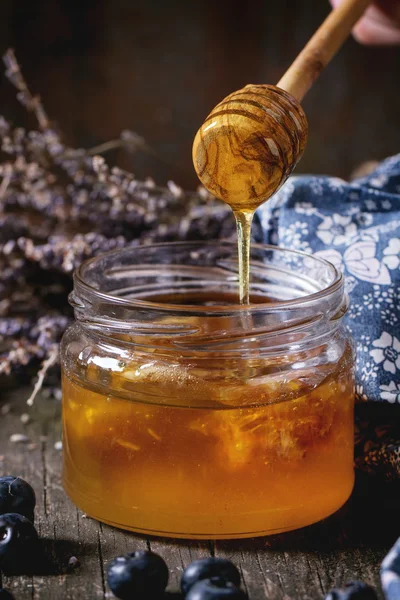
244,220
245,150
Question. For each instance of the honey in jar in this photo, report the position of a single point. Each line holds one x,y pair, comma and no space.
186,414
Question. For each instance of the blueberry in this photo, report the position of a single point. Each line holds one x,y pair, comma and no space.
390,573
206,568
18,543
140,574
17,496
354,590
215,588
4,595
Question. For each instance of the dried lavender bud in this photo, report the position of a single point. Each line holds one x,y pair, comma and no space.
61,205
19,438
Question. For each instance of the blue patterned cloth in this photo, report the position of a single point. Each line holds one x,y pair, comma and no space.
356,226
390,573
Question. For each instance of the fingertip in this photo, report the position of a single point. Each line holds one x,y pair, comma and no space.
373,33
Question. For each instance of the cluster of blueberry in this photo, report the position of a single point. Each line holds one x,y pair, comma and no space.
18,536
144,574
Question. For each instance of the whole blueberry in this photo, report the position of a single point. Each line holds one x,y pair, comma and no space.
17,496
354,590
215,588
4,595
18,543
206,568
140,574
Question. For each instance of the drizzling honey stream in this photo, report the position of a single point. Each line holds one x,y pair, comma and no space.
252,140
245,150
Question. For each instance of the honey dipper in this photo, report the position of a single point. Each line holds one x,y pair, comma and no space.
252,140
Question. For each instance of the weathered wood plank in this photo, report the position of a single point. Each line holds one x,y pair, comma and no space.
301,565
57,520
178,554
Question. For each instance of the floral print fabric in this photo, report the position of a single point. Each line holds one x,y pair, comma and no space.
356,226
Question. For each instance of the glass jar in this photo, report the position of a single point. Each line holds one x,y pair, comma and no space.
186,414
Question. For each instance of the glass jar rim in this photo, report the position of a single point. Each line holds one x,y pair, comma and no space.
336,283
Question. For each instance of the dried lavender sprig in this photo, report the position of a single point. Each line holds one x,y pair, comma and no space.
46,365
31,103
92,190
69,159
65,254
21,353
71,191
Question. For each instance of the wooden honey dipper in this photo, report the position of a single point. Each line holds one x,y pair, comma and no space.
252,140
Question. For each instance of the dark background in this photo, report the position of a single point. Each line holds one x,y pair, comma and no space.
159,67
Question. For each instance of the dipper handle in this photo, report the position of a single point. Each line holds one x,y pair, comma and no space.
322,47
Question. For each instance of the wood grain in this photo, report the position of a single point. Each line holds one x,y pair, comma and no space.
302,565
249,144
322,47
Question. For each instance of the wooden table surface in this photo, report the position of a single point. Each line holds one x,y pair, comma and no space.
295,566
